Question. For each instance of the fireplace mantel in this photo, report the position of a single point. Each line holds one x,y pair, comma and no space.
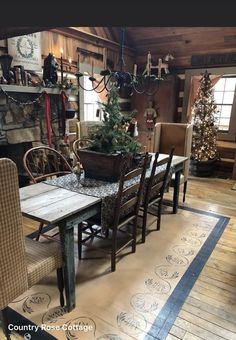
31,89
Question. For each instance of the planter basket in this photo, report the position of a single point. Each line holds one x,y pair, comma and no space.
202,168
98,165
106,167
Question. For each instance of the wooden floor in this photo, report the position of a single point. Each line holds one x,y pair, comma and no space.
210,310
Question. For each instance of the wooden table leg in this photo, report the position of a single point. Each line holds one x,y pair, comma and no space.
67,244
176,191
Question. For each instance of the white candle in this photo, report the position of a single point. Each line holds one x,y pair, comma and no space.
135,70
104,58
149,58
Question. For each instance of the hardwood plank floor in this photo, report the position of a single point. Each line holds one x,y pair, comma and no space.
209,312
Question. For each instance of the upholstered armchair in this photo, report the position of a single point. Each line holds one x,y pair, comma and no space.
23,261
178,135
85,129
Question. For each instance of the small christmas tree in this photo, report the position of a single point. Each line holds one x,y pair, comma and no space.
112,136
204,129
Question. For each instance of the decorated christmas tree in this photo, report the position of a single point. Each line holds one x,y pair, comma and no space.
204,122
113,136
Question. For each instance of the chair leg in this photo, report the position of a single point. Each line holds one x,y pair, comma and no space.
113,250
39,231
60,285
80,241
5,323
144,225
159,216
185,189
134,236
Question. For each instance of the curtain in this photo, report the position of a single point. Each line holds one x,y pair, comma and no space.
194,86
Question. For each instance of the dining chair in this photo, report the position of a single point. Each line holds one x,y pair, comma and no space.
179,135
23,261
42,163
154,190
80,144
125,213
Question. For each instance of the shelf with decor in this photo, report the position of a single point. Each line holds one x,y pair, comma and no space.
31,89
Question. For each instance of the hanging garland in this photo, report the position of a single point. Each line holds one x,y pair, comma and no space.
29,102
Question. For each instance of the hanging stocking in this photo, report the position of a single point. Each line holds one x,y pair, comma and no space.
64,100
48,117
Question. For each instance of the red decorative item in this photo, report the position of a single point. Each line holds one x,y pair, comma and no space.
48,117
64,100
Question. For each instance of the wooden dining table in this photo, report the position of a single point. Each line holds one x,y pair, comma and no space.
65,208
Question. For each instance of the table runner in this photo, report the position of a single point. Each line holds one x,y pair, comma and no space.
107,191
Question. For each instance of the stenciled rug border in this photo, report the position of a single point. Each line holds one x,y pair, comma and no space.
166,317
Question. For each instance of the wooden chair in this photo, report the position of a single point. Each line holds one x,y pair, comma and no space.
155,189
23,262
42,163
80,144
125,213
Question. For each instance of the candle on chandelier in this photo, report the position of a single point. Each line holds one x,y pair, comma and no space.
104,58
61,50
70,63
149,61
135,70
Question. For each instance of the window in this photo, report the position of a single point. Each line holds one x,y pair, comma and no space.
91,102
224,96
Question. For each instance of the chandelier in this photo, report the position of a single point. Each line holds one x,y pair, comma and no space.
145,83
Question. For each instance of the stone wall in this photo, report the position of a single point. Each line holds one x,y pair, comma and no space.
27,123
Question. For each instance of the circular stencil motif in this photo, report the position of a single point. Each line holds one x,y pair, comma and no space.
53,315
157,286
196,233
177,260
182,250
143,302
131,323
166,272
192,241
80,328
37,301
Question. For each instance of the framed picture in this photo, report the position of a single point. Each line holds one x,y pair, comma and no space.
26,51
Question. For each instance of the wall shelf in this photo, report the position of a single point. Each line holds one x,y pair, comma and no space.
31,89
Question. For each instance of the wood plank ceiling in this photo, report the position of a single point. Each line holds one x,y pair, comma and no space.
182,42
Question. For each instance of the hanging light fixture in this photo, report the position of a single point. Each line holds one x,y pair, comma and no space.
144,83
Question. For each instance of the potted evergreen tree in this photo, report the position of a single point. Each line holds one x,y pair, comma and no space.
111,143
204,150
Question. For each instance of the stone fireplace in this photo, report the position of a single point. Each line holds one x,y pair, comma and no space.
24,126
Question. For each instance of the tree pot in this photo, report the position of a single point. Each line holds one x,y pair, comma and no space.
202,168
102,166
107,167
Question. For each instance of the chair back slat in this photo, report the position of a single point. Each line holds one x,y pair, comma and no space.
13,272
133,173
43,162
128,205
157,186
128,191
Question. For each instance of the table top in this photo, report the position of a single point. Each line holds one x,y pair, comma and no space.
50,204
176,160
